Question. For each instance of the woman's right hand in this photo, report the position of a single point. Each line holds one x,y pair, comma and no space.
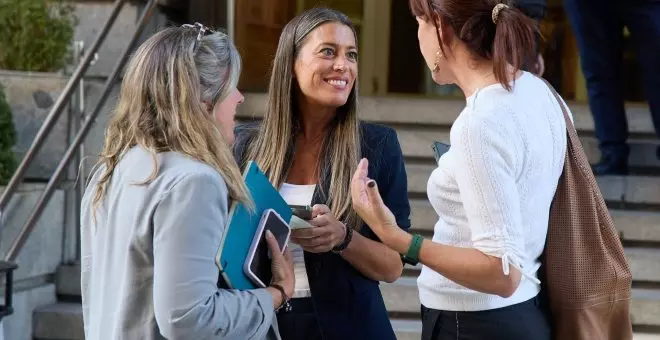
282,269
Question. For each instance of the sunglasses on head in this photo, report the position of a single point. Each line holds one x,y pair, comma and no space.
202,31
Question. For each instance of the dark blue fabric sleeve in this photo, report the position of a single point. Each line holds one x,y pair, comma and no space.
394,189
386,166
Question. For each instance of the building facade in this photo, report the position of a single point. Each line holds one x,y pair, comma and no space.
390,62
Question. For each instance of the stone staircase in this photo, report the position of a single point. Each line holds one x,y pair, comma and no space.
635,203
62,320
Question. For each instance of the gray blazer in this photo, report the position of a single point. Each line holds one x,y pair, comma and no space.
148,262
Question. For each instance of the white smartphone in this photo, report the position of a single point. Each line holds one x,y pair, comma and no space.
258,262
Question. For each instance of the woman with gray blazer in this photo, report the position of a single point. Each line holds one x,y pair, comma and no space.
157,204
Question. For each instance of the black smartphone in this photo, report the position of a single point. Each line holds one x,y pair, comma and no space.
439,149
302,211
258,263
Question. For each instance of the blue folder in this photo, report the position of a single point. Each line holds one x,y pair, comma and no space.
242,225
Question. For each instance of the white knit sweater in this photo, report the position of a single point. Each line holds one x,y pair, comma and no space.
492,190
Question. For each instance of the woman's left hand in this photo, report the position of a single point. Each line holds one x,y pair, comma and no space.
326,234
368,203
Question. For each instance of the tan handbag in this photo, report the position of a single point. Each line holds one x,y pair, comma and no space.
587,278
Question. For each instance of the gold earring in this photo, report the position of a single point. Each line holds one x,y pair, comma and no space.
438,56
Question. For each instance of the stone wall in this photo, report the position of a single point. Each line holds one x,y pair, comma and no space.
31,97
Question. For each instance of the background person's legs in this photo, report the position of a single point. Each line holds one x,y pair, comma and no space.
642,17
598,30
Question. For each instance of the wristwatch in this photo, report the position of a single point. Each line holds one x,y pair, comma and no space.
412,255
348,236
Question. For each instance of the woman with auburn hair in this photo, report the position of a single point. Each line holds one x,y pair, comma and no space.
309,144
156,206
493,189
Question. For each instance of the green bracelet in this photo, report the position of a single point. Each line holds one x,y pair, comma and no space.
412,255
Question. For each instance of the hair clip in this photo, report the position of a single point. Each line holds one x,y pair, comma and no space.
496,11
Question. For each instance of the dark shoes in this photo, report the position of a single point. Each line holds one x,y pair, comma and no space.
612,166
615,165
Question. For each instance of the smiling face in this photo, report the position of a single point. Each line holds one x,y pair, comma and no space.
326,66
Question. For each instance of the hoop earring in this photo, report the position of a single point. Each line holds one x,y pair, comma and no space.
438,56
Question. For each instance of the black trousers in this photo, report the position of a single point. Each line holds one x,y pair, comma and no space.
300,323
524,321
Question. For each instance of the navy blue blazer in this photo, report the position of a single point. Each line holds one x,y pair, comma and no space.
348,304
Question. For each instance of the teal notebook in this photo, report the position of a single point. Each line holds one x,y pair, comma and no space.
242,225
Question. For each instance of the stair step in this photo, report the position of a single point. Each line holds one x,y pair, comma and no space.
406,329
63,321
646,336
442,112
67,279
416,142
59,321
402,297
630,189
642,190
636,226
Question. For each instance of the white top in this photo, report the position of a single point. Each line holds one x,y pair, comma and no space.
295,194
492,190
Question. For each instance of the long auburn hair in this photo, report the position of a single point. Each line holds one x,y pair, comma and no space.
507,41
161,105
274,144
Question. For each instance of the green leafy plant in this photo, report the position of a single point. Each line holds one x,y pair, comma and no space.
7,140
35,35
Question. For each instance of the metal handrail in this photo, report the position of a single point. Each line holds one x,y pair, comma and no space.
56,111
77,174
80,137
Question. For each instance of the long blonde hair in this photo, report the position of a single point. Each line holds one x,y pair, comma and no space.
162,105
341,146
